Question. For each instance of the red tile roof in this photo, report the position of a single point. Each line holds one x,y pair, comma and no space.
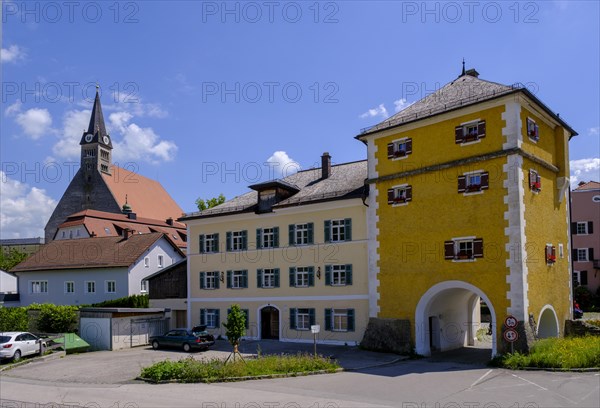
590,185
97,252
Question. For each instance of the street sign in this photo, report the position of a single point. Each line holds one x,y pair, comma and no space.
511,322
511,335
316,328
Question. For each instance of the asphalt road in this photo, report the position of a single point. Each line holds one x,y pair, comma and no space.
409,384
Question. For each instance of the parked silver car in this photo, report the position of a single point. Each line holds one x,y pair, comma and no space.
14,345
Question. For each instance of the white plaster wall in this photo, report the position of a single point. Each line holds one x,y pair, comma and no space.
8,282
138,271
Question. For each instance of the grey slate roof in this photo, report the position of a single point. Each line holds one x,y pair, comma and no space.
464,90
346,181
22,241
96,126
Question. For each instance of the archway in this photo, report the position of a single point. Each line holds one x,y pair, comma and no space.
269,322
547,323
448,317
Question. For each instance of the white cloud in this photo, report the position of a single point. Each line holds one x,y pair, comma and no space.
74,124
13,53
401,104
13,109
24,210
35,122
131,102
595,131
378,111
281,165
585,170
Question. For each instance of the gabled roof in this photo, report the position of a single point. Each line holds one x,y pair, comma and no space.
590,185
145,196
345,182
103,223
90,253
466,90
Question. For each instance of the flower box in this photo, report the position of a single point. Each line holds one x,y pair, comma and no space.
474,187
400,153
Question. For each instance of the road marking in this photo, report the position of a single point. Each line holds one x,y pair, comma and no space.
589,393
480,379
530,382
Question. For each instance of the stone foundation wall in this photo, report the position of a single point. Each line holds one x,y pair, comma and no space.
388,335
580,328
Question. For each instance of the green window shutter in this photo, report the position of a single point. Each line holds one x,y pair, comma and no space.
311,316
201,241
310,233
348,274
247,314
202,317
216,242
276,277
258,238
276,237
292,277
327,231
350,314
328,319
217,280
348,227
229,279
217,318
245,278
244,240
293,319
291,235
327,274
259,273
228,243
202,277
311,276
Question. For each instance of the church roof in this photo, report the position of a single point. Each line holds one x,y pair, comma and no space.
146,197
96,127
98,252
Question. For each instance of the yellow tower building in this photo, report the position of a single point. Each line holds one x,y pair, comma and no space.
468,208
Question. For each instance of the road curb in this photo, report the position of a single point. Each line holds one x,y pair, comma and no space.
47,357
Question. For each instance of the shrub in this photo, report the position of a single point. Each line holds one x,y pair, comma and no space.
13,319
135,301
56,318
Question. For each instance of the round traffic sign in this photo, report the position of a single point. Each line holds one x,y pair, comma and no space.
511,335
511,322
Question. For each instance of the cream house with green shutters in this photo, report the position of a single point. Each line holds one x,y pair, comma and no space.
291,252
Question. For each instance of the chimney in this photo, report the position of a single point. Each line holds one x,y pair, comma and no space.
472,72
581,183
325,165
170,221
127,232
132,216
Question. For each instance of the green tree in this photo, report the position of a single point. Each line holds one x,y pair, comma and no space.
12,258
210,202
236,329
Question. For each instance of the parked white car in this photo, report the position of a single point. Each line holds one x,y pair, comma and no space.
14,345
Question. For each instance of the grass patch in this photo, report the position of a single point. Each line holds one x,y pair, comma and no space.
565,353
215,370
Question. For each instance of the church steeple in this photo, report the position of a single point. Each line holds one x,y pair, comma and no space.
96,144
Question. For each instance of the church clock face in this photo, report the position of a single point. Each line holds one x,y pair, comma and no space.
89,137
106,140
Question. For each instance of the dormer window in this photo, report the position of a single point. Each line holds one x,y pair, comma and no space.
469,132
400,148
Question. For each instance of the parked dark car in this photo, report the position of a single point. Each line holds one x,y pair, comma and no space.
186,339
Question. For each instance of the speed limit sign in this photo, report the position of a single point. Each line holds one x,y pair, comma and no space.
511,335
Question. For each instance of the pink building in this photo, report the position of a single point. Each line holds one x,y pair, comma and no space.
585,230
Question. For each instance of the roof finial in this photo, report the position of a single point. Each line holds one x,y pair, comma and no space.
463,69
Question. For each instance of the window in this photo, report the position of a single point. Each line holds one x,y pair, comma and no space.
38,287
338,275
90,287
461,249
550,254
107,230
399,149
302,277
237,240
582,227
561,250
160,261
209,243
473,182
144,286
267,237
209,280
301,234
583,254
302,319
533,130
338,230
580,278
535,181
237,279
400,195
339,319
69,287
210,318
110,286
267,278
146,262
469,132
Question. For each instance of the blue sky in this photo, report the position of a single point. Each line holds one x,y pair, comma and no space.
210,97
